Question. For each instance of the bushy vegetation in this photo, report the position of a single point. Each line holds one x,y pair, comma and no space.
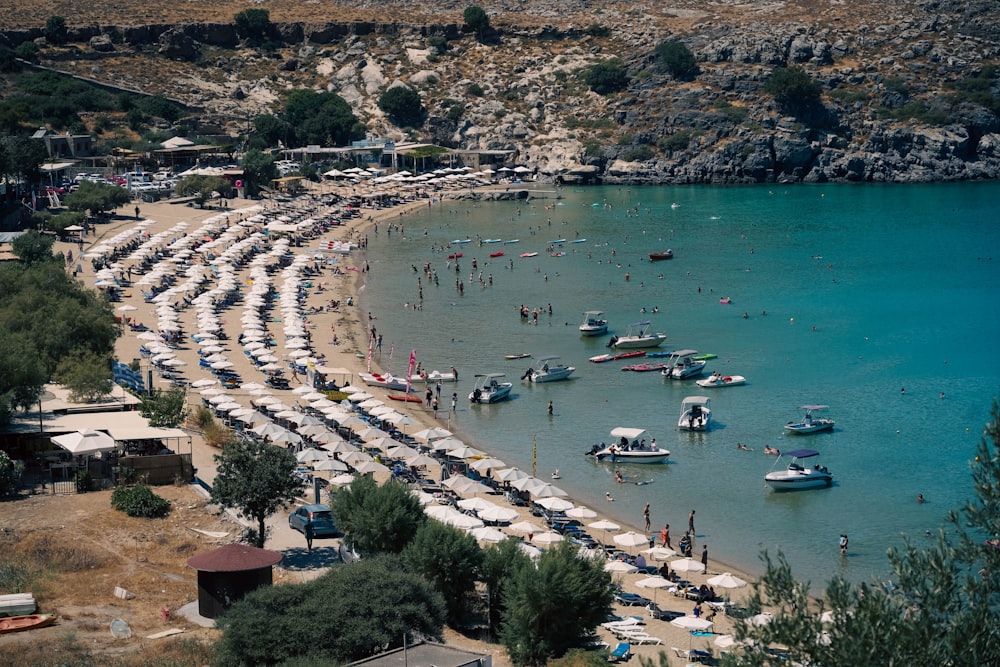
139,501
203,187
793,89
450,560
677,58
10,474
164,408
606,77
978,89
55,29
253,22
403,106
477,20
97,197
677,141
916,110
597,30
377,519
638,154
736,114
474,89
347,614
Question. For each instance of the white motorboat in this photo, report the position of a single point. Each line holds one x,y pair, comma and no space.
433,377
387,381
719,380
548,370
637,336
628,445
490,388
810,424
696,413
682,365
797,476
593,324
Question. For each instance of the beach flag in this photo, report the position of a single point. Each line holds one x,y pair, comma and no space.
371,348
409,369
534,455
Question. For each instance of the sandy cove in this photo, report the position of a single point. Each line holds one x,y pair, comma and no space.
350,324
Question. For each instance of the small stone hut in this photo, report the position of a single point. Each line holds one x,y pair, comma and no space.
229,573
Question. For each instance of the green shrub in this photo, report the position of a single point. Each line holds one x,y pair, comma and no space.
733,113
593,148
793,89
477,20
55,29
639,154
402,105
677,141
253,22
455,112
596,30
474,89
915,110
8,60
845,96
677,58
439,42
896,84
606,77
27,51
139,501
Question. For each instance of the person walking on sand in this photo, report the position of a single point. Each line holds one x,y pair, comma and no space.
645,515
704,557
308,530
665,536
691,523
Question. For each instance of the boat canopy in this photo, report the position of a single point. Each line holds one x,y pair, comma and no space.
593,312
626,432
802,453
684,353
641,324
490,375
548,357
813,407
696,400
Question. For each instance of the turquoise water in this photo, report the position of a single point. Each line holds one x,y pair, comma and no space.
867,290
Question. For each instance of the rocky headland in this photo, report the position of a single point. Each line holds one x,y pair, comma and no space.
909,89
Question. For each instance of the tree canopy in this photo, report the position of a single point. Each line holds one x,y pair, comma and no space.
403,106
256,479
21,156
606,77
253,22
555,606
501,564
793,89
377,519
677,58
46,316
450,559
315,118
940,609
477,20
351,612
258,170
165,408
97,197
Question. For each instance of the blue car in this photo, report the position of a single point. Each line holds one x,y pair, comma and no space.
322,520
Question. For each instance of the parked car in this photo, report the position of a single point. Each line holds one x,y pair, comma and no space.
320,516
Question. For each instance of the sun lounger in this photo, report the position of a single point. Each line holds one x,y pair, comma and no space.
621,652
639,637
658,612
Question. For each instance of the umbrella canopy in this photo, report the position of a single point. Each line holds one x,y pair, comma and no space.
549,537
342,480
526,527
483,465
419,460
487,534
631,539
497,514
310,454
476,504
547,490
330,464
655,583
726,580
687,565
85,442
605,525
659,553
619,566
370,467
692,623
434,433
463,521
509,475
762,618
580,512
554,504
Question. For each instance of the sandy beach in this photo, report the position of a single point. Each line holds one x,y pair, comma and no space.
349,326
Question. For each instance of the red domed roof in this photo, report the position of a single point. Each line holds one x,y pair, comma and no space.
234,558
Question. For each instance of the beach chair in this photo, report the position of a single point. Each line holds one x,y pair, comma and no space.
623,651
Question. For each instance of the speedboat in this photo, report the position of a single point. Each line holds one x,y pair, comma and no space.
810,424
661,255
797,476
490,388
593,324
719,380
548,370
628,445
696,413
432,377
637,336
386,381
682,365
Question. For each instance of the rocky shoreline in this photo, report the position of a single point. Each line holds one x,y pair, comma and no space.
909,93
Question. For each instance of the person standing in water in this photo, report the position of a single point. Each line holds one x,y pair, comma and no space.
843,544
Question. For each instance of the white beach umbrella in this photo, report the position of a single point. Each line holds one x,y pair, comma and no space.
726,580
370,467
526,527
547,490
476,504
433,433
631,539
487,534
580,512
687,565
330,464
554,504
342,480
620,567
692,623
655,583
483,465
497,514
509,475
310,454
659,553
549,537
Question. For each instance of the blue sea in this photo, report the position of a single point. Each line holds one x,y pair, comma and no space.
877,300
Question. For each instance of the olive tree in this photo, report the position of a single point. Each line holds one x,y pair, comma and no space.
450,559
377,519
256,479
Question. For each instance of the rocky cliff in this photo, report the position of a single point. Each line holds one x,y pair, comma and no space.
908,89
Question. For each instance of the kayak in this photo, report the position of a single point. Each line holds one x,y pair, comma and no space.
529,254
497,254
